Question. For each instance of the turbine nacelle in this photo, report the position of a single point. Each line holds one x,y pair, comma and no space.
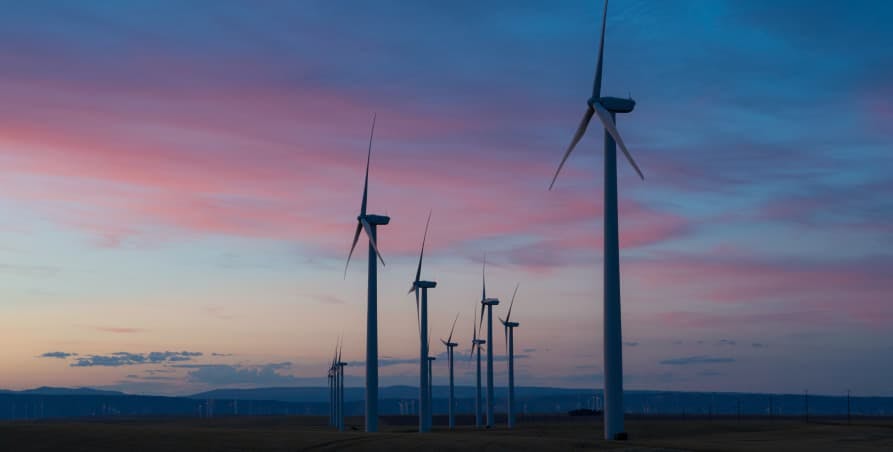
510,324
613,104
490,301
378,220
432,358
479,341
424,284
449,344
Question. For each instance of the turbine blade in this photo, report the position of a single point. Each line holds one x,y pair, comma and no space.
368,229
481,326
484,279
418,273
453,328
597,83
508,317
605,116
368,158
578,135
356,236
443,341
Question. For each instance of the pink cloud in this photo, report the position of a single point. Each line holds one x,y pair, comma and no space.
806,291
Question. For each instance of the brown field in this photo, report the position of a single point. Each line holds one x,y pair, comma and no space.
310,433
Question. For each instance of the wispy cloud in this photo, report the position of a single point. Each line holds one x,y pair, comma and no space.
119,330
57,355
329,299
129,359
689,360
270,374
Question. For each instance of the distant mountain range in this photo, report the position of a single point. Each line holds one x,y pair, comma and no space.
49,402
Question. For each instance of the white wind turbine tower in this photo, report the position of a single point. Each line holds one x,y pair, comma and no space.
488,303
606,108
422,314
370,223
450,345
476,344
510,351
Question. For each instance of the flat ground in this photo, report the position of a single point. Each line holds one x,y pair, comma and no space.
310,433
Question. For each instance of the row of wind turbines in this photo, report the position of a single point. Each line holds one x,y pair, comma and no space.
606,109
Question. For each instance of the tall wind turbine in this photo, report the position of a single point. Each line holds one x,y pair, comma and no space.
510,351
488,303
422,314
607,108
450,345
476,344
369,223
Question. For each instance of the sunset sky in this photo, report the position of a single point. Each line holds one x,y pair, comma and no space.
185,176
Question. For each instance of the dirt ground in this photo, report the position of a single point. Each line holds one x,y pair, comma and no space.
311,433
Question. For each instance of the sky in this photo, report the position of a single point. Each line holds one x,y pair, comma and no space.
181,179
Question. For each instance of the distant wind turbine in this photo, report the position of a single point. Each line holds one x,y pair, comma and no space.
476,344
450,345
340,374
488,303
430,390
510,351
422,316
606,108
332,387
369,223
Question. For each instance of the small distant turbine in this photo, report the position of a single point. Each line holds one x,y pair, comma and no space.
422,316
607,108
476,344
369,223
450,345
341,365
430,391
332,387
488,303
510,351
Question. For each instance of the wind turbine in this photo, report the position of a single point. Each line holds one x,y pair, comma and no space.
450,345
510,351
430,391
369,223
332,387
488,303
341,365
422,314
607,108
476,344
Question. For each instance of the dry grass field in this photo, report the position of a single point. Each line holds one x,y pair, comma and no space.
309,433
